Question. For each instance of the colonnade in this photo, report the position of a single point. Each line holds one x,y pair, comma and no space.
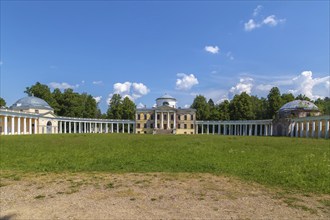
240,128
167,118
95,126
18,123
314,127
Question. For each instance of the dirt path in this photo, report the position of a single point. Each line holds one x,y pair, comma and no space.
150,196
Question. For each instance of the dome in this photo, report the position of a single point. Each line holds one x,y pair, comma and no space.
299,105
166,96
31,102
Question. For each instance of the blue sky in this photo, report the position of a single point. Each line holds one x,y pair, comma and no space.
144,49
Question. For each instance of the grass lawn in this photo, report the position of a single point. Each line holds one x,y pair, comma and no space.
291,163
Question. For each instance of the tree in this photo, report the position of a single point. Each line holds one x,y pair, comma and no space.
302,97
41,91
214,113
274,102
2,103
259,107
241,107
202,108
115,110
323,105
287,97
128,109
223,109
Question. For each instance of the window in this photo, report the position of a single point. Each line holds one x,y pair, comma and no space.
138,125
151,125
172,117
145,125
185,117
145,116
36,111
179,126
165,117
185,126
138,116
152,117
192,126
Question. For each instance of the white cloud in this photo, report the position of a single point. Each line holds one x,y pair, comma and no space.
62,85
251,25
140,105
212,49
97,99
185,82
272,20
83,82
257,10
230,55
97,82
264,87
255,23
244,85
306,84
128,89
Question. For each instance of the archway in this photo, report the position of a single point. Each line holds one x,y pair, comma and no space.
49,127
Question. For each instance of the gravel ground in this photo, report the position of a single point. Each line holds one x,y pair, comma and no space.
150,196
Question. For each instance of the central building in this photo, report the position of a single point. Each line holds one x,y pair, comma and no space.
165,118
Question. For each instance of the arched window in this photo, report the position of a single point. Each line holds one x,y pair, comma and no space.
166,103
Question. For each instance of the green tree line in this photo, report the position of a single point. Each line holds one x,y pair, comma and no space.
246,107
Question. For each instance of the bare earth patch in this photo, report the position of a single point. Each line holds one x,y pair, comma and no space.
151,196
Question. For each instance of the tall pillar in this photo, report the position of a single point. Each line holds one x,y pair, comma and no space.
174,121
266,130
35,126
156,120
327,129
320,130
6,125
313,129
161,120
24,125
30,125
292,128
74,127
69,127
129,128
250,129
123,128
213,127
168,121
208,128
219,129
271,129
101,127
224,129
18,125
297,129
117,127
301,129
240,129
307,129
111,127
79,125
12,125
106,127
85,126
261,129
255,130
95,128
65,130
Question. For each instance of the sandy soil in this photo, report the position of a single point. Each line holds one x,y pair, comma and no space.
150,196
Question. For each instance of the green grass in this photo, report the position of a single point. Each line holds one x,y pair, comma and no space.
293,163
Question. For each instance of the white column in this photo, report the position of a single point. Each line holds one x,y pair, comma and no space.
85,126
155,119
60,127
35,126
106,127
219,129
250,130
292,128
255,130
12,125
213,127
320,129
266,130
202,128
65,127
297,129
307,129
129,128
271,129
24,125
313,129
168,121
6,125
117,127
301,129
123,128
111,127
327,129
161,120
69,127
261,127
74,127
30,125
224,129
208,128
240,129
174,121
19,125
95,127
79,124
101,127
